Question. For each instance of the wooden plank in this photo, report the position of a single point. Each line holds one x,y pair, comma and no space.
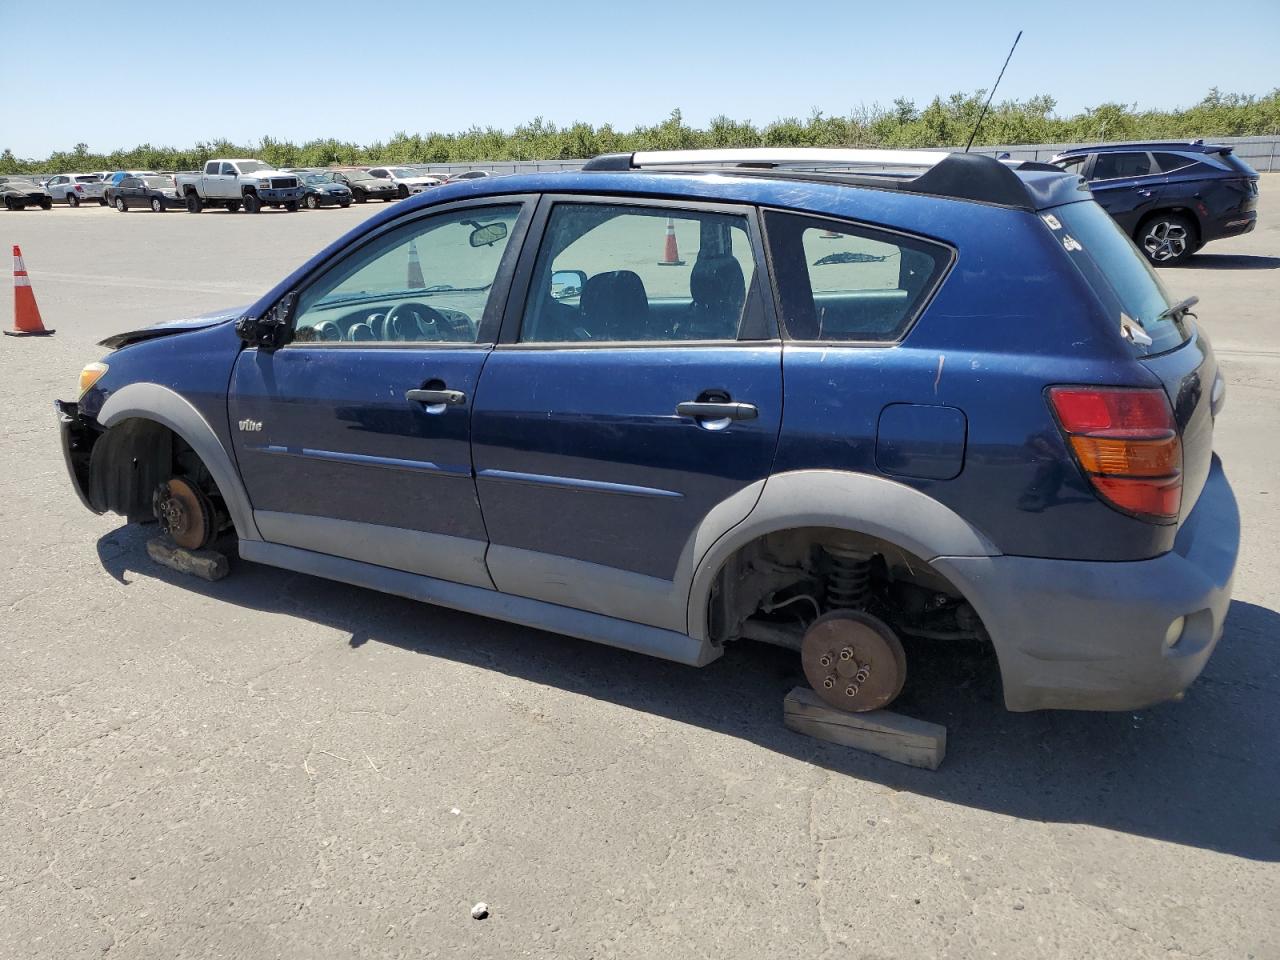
206,564
893,736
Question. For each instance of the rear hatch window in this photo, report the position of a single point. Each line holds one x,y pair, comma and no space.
1238,165
1120,275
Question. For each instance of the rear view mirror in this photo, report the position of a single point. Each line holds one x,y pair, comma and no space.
567,284
488,234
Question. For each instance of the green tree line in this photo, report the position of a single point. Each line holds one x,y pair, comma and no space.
943,122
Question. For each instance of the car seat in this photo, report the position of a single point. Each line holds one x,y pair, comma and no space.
616,307
719,291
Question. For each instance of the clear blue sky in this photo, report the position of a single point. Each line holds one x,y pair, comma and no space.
175,74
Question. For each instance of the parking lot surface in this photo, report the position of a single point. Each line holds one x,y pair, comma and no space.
280,766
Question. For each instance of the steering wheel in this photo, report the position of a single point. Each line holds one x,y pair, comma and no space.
411,320
328,331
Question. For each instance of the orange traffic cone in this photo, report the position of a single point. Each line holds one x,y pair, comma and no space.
26,315
671,253
414,280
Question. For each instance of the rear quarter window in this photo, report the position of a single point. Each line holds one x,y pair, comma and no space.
1125,282
838,281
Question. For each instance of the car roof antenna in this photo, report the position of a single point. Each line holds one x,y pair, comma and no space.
987,105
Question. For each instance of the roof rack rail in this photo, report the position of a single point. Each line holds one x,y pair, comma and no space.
767,157
959,176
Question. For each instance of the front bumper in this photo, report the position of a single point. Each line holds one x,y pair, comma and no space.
78,438
1084,635
332,199
281,195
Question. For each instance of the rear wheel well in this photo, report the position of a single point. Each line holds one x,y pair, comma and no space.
133,457
774,586
1185,212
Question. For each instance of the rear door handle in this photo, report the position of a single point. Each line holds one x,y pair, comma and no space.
430,397
711,410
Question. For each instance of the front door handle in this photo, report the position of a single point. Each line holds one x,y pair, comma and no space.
431,397
712,410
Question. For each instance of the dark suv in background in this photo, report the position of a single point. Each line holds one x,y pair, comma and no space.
1172,198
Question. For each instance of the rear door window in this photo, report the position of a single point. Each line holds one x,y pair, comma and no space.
1120,275
618,273
838,281
1112,166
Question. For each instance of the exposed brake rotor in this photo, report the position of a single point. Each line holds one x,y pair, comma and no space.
853,661
184,512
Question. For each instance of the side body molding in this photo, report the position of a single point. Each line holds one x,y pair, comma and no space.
857,502
151,401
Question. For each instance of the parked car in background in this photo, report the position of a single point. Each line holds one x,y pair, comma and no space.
76,188
468,175
235,183
830,428
1171,198
407,180
365,186
22,192
115,177
157,191
323,190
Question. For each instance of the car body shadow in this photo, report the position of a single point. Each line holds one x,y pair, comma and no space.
1231,261
1204,772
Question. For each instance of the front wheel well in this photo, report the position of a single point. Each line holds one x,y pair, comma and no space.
132,458
774,586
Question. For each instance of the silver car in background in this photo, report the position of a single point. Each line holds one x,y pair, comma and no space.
76,188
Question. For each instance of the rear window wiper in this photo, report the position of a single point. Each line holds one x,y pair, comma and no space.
1177,310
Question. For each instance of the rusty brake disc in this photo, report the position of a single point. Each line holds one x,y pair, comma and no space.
853,661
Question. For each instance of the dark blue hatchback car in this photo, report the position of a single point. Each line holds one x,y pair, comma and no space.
822,399
1172,198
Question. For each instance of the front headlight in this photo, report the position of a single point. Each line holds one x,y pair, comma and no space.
262,184
90,375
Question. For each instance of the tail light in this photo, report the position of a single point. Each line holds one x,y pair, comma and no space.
1127,444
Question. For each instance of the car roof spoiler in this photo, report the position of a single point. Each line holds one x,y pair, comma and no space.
961,176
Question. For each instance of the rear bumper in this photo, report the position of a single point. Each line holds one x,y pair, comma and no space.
1233,225
1090,635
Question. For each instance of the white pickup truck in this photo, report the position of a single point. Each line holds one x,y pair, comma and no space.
236,183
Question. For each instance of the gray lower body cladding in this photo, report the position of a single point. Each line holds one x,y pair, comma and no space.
1095,636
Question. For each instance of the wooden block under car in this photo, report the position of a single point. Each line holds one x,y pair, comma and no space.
206,564
916,743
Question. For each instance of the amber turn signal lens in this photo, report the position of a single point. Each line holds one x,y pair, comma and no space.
90,375
1130,458
1126,442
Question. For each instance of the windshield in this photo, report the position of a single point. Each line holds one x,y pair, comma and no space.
86,179
159,183
402,172
358,175
22,182
317,178
1120,275
252,166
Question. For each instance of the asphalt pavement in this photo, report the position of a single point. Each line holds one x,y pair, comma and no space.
280,766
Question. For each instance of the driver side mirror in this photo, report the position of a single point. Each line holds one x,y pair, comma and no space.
274,328
567,284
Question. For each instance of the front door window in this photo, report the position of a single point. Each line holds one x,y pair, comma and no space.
428,281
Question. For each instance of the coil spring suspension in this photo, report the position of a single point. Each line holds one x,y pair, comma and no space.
849,583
